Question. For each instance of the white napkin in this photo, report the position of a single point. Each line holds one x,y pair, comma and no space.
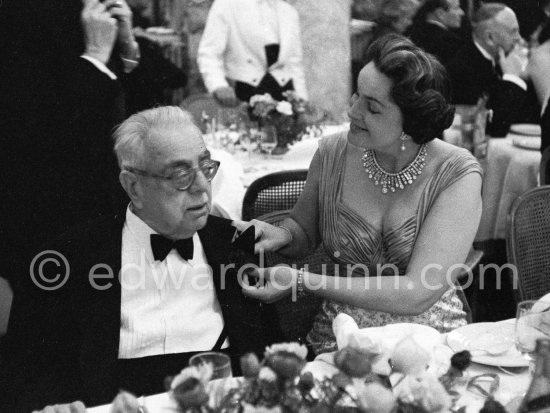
383,340
343,327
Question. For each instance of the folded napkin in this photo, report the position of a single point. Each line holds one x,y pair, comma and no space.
384,340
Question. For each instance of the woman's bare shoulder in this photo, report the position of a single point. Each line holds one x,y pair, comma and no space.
440,151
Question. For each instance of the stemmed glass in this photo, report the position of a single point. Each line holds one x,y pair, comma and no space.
249,142
268,139
532,322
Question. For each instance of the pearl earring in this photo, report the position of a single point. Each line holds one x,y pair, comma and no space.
403,138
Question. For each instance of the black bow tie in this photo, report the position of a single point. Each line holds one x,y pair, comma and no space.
161,246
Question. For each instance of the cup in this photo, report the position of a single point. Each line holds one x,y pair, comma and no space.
473,121
221,363
532,322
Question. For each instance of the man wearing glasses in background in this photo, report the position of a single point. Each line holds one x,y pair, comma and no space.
146,288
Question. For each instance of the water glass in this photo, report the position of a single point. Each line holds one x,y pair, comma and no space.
269,138
532,322
221,363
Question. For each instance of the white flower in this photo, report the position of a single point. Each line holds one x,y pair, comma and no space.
374,398
203,373
284,107
425,391
298,349
408,357
265,98
267,374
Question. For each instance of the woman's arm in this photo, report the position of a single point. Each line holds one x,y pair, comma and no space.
443,241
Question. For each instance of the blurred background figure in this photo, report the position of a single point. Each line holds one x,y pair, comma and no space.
393,16
254,44
492,63
435,28
539,69
61,96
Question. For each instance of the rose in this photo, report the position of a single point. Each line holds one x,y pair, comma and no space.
375,398
409,358
190,393
353,361
287,365
284,108
250,365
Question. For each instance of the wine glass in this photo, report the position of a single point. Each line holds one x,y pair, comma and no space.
268,139
532,322
249,142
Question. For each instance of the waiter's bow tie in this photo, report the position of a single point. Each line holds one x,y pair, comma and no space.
161,247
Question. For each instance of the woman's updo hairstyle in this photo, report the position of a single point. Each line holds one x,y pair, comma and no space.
420,88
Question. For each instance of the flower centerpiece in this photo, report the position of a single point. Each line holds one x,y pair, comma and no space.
289,117
278,384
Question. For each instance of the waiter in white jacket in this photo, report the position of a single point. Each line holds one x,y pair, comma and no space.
251,47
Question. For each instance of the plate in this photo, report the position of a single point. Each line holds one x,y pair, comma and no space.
532,143
529,129
478,335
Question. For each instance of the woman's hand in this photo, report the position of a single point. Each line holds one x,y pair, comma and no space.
273,283
268,237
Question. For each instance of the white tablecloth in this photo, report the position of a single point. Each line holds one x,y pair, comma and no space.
509,172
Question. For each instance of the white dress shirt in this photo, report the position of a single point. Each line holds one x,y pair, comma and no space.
167,306
233,44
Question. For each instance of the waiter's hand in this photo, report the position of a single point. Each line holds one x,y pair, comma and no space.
226,96
75,407
100,30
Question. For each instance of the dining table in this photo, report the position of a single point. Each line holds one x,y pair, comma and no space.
513,381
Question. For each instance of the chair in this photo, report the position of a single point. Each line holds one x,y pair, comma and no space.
277,191
528,242
545,167
296,317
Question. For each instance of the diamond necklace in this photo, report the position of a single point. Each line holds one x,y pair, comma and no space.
393,181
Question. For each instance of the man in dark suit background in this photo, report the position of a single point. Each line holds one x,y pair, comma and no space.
144,290
59,105
491,63
435,28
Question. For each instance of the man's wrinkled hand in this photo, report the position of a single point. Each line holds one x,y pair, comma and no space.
100,30
226,96
75,407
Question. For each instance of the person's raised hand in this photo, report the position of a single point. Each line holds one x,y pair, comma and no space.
120,10
268,237
100,30
272,283
226,96
513,63
75,407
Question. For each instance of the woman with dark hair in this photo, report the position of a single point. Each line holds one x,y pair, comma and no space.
394,207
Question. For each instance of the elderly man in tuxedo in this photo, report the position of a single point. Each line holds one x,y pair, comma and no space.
491,63
138,293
